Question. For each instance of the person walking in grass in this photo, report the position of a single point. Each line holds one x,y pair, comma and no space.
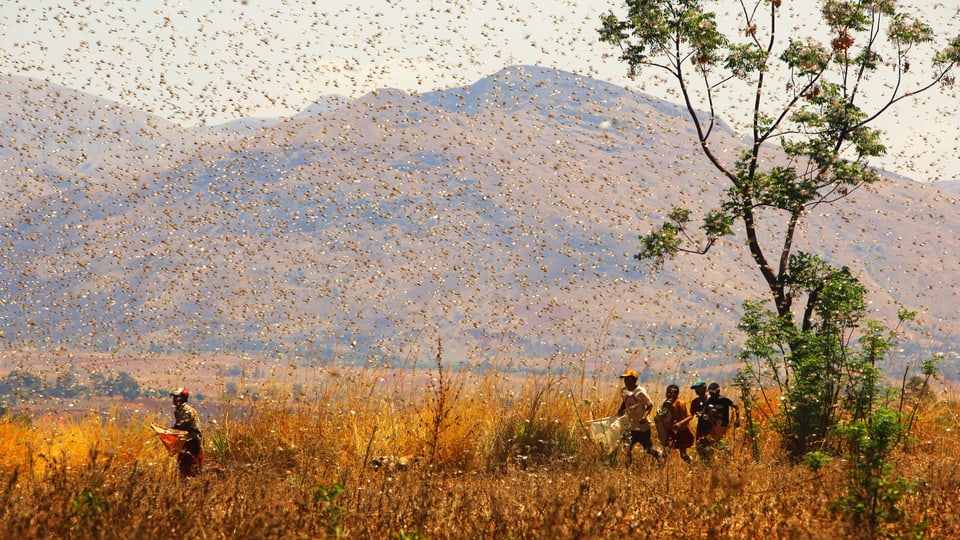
673,423
698,409
718,410
190,458
634,413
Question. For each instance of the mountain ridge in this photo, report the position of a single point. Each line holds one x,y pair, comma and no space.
498,226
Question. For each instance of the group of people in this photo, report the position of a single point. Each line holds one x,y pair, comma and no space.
673,419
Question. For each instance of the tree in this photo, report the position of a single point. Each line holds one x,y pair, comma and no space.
127,386
115,384
21,384
812,107
67,384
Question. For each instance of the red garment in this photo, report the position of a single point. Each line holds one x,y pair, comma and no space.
674,436
190,459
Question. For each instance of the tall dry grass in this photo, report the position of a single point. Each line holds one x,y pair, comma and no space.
501,457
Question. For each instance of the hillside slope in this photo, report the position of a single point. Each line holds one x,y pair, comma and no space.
500,218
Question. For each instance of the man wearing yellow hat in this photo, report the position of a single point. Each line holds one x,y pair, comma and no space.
634,413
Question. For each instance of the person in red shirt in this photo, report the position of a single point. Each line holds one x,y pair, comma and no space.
673,423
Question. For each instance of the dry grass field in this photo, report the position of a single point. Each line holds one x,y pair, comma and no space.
496,457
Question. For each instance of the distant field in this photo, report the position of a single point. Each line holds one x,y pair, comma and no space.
496,456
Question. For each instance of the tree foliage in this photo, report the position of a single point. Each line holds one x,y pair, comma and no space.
21,385
811,107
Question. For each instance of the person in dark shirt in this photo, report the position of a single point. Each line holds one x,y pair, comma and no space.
698,408
718,412
190,458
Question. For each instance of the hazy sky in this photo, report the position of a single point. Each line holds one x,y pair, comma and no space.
203,62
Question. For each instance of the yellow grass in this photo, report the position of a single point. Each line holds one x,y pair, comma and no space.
500,457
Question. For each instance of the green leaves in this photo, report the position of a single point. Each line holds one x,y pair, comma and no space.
661,245
745,60
826,369
679,215
665,243
699,30
767,336
87,510
805,59
950,54
846,15
906,30
646,31
325,497
677,29
717,223
834,295
873,492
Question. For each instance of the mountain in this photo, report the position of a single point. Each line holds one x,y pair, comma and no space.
497,219
50,126
248,126
324,105
950,186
